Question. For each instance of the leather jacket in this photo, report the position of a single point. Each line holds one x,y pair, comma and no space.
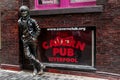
29,29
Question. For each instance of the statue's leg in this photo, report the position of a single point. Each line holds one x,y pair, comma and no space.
36,63
31,58
37,66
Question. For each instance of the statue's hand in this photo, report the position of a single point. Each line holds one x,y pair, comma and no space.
23,36
34,39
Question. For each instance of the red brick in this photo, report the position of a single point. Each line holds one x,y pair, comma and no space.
107,31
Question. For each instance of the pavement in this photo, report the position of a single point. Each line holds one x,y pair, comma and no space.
26,75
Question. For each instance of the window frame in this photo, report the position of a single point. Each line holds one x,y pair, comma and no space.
45,6
66,65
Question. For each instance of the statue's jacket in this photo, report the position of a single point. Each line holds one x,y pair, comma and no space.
28,29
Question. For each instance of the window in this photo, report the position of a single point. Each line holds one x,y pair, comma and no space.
68,47
82,2
48,1
46,4
53,4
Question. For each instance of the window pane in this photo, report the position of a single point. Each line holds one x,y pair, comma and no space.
73,45
76,1
48,1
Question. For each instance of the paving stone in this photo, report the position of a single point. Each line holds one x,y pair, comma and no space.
13,75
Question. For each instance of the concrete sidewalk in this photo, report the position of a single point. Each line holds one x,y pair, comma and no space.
25,75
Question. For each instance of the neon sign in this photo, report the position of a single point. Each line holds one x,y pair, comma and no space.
67,45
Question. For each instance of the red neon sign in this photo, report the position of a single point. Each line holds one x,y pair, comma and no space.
69,41
65,45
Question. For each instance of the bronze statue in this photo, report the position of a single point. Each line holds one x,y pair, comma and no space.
29,31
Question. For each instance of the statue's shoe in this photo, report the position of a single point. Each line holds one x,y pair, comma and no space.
43,66
35,73
40,72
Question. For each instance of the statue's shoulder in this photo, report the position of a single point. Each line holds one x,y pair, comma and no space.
19,20
32,20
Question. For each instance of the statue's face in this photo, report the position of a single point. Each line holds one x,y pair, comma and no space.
24,13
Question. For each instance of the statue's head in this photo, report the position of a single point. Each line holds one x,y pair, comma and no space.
24,11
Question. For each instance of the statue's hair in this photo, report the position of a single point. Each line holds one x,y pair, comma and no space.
24,8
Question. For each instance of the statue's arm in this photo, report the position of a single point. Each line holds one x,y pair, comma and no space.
37,28
19,26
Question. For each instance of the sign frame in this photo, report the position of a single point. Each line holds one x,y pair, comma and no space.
77,66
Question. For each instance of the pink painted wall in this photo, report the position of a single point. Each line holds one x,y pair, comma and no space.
64,4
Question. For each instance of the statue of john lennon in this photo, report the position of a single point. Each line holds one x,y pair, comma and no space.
29,31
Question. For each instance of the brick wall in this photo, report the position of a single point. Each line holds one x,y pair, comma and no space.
107,31
107,34
9,54
108,46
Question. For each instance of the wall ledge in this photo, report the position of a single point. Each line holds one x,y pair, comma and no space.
90,9
10,67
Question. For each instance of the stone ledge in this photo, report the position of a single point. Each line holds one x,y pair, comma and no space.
91,9
70,67
10,67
